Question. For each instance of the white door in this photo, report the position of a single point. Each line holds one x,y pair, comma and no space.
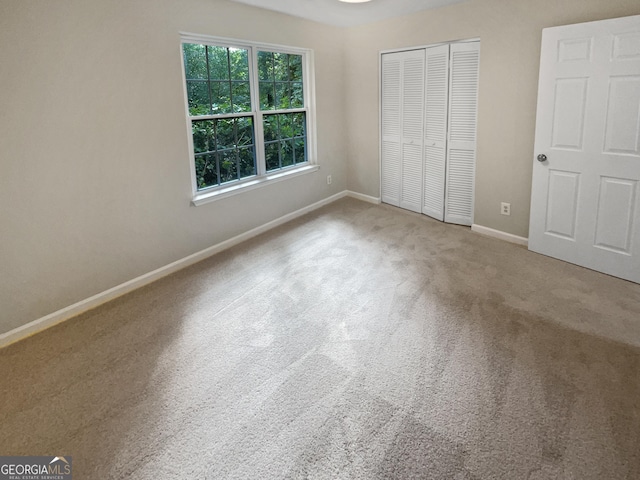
585,203
435,130
390,149
461,142
402,128
451,101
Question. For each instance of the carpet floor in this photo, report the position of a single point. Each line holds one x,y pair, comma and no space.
357,342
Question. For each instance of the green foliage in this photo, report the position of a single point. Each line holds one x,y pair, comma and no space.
285,138
272,155
224,150
206,171
217,79
280,77
195,61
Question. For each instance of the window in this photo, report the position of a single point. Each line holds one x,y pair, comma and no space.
249,112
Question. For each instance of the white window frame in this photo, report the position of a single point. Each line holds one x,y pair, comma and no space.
262,178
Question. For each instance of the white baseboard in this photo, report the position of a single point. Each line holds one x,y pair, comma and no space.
500,234
363,197
66,313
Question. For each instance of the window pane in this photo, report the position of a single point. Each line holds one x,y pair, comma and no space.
280,66
198,97
195,61
247,162
206,173
295,68
282,95
267,96
286,129
225,134
244,126
300,150
272,156
270,127
228,165
220,97
239,62
286,152
297,95
218,63
265,66
241,97
203,136
298,124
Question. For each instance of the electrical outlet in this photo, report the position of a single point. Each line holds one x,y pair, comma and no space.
505,208
328,179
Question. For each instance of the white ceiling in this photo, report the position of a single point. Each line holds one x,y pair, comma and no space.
334,12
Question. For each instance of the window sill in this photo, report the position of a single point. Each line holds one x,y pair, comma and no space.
236,188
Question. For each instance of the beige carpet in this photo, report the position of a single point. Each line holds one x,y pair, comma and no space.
360,342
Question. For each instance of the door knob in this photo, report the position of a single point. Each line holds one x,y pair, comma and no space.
542,157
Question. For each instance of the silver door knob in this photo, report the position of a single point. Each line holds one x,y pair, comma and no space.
542,157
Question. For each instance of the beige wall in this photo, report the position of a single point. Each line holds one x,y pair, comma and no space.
94,166
510,34
95,184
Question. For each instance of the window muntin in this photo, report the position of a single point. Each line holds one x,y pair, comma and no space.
247,110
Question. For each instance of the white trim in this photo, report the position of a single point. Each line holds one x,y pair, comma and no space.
251,184
380,125
66,313
509,237
187,37
363,197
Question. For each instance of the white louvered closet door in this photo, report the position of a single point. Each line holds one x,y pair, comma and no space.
429,114
461,145
402,128
412,130
435,136
391,148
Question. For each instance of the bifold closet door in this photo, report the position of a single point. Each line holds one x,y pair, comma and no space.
429,114
461,142
435,132
402,128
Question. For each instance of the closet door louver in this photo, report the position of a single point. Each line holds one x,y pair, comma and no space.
461,145
391,128
435,136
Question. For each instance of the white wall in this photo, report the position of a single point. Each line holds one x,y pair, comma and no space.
510,32
95,183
